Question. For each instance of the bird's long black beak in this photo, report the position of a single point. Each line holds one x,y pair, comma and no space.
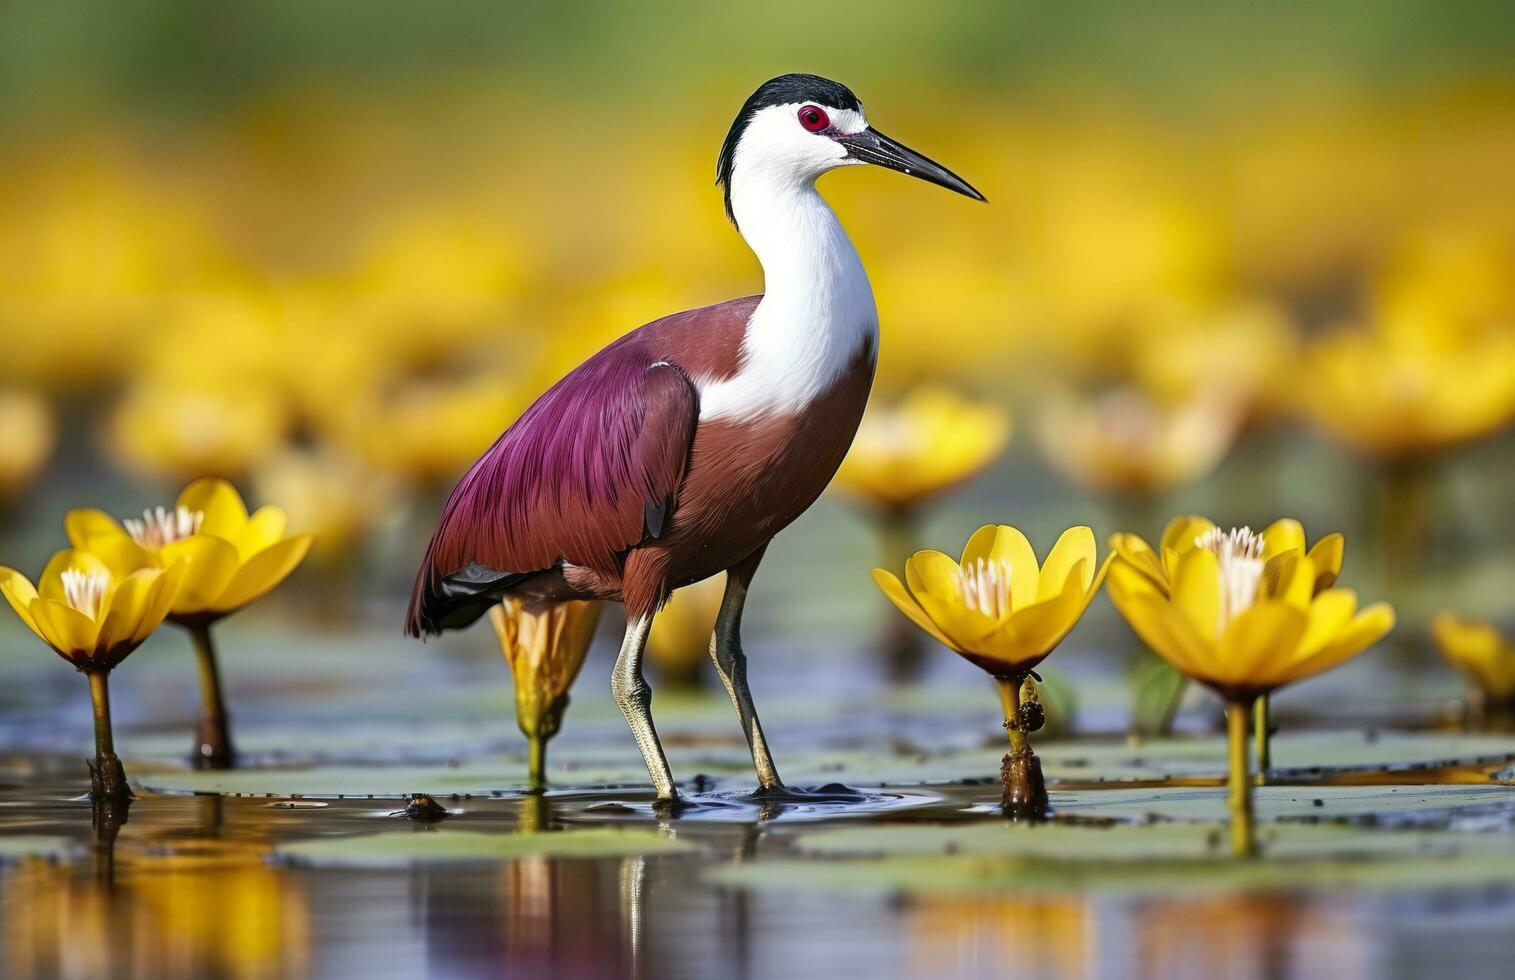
872,146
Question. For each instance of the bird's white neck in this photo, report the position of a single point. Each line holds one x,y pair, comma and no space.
817,309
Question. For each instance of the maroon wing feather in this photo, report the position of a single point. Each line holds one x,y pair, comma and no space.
580,477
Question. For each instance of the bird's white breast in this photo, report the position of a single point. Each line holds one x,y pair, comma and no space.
816,314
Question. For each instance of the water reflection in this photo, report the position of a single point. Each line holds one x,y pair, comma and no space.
162,895
1244,936
1045,935
194,886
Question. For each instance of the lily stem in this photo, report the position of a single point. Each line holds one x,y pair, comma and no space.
1010,703
99,695
537,750
1243,843
1262,736
107,778
213,741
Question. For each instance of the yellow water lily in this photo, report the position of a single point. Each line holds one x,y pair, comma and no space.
1481,653
1411,387
165,429
545,645
929,441
233,558
1127,440
1003,611
1185,533
998,607
94,618
679,642
86,612
1244,626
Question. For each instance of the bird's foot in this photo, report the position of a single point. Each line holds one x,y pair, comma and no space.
800,795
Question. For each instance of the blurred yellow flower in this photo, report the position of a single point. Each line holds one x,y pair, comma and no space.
1125,440
545,645
1462,271
1241,624
1179,350
930,440
28,434
1480,652
180,430
1409,389
434,279
680,639
92,616
329,494
232,558
89,252
428,429
997,608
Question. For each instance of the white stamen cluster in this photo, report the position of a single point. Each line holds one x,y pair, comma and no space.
85,591
160,526
985,586
1241,567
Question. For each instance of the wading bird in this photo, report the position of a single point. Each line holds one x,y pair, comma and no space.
682,448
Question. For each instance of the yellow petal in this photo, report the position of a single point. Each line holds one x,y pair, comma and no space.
160,599
895,590
1283,535
1004,543
1130,580
1328,555
1298,587
1259,644
262,572
68,630
212,564
20,593
933,580
264,529
119,624
933,573
1040,626
1074,549
225,514
1161,628
85,524
121,555
1139,555
1196,591
1369,626
1329,614
1181,533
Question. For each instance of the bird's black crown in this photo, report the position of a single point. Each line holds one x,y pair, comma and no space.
796,87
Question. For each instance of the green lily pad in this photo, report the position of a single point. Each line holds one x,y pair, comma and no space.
575,765
1278,802
407,847
1159,859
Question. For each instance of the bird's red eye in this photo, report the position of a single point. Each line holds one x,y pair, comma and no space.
814,118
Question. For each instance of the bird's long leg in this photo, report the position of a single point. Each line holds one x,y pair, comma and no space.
731,664
634,697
